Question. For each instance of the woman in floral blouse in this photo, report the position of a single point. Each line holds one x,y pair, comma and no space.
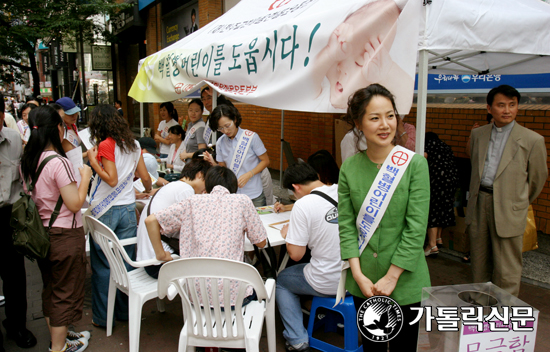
210,225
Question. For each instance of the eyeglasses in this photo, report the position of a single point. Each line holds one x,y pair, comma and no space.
226,127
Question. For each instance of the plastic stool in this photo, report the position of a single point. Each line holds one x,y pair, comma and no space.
344,312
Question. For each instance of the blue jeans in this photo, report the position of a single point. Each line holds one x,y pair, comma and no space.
121,219
259,201
291,283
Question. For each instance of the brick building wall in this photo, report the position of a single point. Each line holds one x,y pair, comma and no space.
209,10
309,132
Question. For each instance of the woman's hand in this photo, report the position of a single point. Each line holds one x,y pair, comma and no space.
208,157
92,154
364,283
143,195
165,257
85,172
385,286
243,180
169,166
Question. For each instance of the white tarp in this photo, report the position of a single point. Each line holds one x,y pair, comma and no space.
305,55
493,36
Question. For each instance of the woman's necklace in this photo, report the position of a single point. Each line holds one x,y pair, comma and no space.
378,165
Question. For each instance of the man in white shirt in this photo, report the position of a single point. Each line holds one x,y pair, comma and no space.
192,182
313,224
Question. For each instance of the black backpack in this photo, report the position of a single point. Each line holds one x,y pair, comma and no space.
30,238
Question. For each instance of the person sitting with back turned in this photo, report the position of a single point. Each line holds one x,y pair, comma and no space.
210,225
191,182
313,224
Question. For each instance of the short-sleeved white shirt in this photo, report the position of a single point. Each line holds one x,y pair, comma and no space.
163,129
172,193
348,146
314,223
225,149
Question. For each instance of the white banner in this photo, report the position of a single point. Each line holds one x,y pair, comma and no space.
305,55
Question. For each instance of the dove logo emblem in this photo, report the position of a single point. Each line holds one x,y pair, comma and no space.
380,319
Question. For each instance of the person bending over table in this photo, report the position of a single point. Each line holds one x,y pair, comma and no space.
314,225
210,225
242,151
191,182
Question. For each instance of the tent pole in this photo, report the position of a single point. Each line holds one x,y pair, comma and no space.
422,97
141,119
282,139
214,135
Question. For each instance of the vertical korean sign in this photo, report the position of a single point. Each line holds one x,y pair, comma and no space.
101,58
305,55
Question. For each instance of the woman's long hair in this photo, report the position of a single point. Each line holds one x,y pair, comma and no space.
44,124
172,112
106,122
357,107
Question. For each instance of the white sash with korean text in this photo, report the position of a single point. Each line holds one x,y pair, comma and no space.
375,204
207,134
191,133
71,134
241,150
100,205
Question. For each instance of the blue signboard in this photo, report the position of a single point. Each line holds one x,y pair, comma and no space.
483,83
144,3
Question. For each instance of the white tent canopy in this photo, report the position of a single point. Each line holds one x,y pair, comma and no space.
455,37
480,37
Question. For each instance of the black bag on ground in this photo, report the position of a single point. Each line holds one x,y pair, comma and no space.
30,238
269,267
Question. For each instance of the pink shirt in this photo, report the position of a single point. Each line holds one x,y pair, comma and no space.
411,132
57,173
214,225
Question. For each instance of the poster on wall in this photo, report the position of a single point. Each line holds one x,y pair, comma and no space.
180,23
303,55
101,58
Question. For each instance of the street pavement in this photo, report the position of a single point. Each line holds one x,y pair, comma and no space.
160,331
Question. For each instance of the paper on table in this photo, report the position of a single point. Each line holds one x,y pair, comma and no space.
275,217
86,138
75,157
138,185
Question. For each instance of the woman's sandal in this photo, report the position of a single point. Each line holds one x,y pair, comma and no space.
439,242
432,251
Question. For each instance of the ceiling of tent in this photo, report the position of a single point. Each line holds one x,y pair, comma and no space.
487,36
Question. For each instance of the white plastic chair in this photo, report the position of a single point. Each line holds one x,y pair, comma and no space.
137,284
240,327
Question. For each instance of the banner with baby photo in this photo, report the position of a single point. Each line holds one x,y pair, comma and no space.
304,55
